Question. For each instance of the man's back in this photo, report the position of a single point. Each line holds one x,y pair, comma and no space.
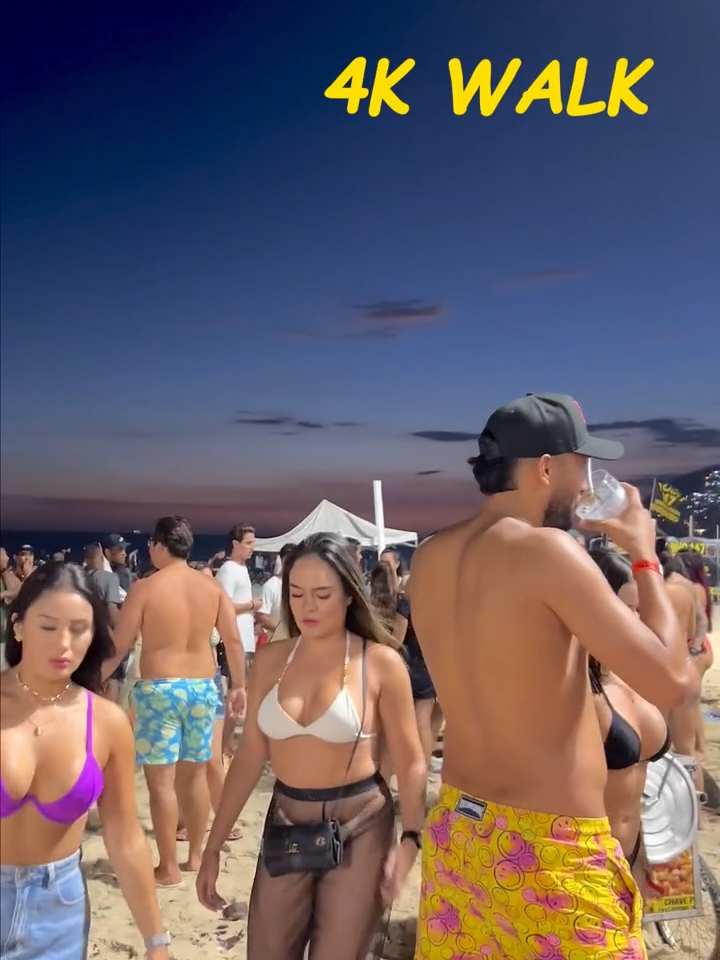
179,609
512,682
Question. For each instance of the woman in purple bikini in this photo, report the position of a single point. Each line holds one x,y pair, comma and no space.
63,749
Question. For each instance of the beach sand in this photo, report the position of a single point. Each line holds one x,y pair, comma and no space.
197,933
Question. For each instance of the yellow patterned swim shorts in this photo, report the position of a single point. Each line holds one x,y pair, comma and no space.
499,882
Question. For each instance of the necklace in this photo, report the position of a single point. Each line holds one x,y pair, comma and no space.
37,729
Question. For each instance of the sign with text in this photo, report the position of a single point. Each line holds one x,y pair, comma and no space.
679,888
668,503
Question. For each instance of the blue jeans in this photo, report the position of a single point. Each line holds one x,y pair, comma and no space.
44,912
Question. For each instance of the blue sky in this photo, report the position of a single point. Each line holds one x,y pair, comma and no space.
225,296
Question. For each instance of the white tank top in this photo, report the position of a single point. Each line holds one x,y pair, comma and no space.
339,724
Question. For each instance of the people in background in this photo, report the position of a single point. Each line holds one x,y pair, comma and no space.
340,655
634,731
64,749
392,558
392,609
270,609
685,719
115,548
175,700
234,579
16,574
216,764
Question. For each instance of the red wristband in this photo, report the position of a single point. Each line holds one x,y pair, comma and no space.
646,565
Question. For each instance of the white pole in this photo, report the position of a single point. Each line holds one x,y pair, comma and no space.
691,526
379,515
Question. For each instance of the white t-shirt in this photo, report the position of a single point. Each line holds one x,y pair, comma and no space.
234,578
272,598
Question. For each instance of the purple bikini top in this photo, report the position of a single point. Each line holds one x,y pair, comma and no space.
79,798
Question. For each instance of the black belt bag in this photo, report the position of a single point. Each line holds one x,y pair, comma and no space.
302,847
312,847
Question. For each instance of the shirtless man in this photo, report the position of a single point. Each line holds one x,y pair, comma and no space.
507,606
176,698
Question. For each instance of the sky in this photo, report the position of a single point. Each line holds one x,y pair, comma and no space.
225,296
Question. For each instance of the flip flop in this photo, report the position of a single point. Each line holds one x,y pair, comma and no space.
235,834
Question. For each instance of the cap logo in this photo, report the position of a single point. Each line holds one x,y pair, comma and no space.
582,415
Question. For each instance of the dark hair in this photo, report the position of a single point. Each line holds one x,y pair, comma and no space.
400,570
286,549
493,473
331,548
695,571
199,565
384,593
239,532
175,534
672,563
66,577
618,572
615,567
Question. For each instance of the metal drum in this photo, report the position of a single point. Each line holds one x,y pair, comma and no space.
669,810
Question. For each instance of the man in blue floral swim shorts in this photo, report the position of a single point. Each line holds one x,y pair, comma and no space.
176,700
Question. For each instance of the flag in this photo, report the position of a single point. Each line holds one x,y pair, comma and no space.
667,501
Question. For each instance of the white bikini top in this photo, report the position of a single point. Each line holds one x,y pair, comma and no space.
339,724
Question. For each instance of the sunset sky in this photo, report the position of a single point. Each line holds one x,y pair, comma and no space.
225,296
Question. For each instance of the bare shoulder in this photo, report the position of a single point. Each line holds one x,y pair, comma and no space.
272,657
383,658
139,588
109,715
553,544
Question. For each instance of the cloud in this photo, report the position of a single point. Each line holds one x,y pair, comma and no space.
399,313
291,426
666,430
545,278
444,436
381,320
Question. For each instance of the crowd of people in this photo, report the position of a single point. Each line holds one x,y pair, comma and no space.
559,674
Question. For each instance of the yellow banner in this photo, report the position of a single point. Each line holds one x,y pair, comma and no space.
668,502
675,546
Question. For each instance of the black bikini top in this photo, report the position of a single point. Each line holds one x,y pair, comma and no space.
623,748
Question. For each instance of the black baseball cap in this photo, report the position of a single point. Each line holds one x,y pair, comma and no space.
114,540
542,424
27,548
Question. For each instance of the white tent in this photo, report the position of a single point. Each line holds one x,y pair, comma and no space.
329,518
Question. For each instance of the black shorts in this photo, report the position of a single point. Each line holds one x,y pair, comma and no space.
422,685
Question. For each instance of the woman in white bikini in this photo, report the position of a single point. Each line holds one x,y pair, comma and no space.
316,702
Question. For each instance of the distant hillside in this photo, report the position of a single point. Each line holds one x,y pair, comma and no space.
687,483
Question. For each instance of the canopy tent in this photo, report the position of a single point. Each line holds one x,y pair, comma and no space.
327,517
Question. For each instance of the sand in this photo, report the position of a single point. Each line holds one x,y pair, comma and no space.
197,933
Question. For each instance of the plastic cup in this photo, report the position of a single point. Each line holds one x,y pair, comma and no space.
605,500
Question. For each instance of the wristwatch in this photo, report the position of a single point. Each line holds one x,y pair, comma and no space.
413,835
157,940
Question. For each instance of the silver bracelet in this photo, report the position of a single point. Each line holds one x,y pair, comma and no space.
157,940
